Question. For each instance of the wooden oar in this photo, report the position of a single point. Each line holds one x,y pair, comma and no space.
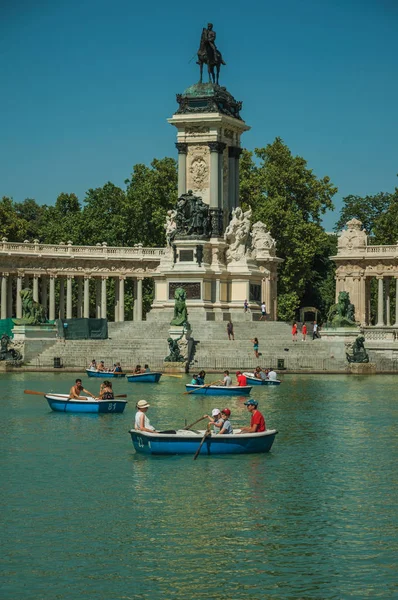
207,434
194,423
202,386
170,375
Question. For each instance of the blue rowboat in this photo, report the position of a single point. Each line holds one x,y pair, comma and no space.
255,381
61,403
187,442
219,390
104,374
151,377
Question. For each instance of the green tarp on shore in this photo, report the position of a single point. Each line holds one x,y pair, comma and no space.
82,329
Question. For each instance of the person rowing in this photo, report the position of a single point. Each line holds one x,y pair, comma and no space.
77,389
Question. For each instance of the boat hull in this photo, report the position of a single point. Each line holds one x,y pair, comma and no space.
144,378
60,403
104,374
219,390
184,442
255,381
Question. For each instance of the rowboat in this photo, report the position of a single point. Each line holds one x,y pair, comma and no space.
219,390
62,403
255,381
151,377
188,442
104,374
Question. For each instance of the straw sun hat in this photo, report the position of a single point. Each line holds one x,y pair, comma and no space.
142,404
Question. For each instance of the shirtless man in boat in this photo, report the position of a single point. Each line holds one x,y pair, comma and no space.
77,389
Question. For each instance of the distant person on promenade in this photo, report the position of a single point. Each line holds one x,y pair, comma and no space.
263,311
294,332
230,330
315,331
245,306
257,421
304,332
241,379
226,427
77,389
106,391
255,347
141,422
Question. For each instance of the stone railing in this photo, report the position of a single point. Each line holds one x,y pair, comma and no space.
99,251
393,250
381,334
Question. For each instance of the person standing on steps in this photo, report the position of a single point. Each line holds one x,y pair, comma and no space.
230,330
263,311
255,347
315,331
304,332
245,306
294,332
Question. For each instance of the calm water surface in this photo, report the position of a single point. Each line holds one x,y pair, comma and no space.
84,517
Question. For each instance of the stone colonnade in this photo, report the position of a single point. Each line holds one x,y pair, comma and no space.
43,288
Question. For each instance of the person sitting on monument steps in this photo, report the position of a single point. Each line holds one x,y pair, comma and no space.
77,389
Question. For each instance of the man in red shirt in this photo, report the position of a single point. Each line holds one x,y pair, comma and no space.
257,422
241,379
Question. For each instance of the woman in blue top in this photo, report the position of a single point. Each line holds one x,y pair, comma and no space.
255,346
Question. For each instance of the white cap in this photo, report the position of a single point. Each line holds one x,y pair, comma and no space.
215,412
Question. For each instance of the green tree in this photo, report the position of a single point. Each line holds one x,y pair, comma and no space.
367,209
102,216
12,226
34,214
62,221
288,197
151,192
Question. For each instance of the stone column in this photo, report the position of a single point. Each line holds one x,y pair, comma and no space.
51,311
79,297
61,311
121,299
4,285
43,294
388,303
98,298
396,301
86,313
380,302
35,287
231,182
9,296
19,299
218,291
117,303
216,186
69,280
214,174
103,296
182,168
237,185
139,299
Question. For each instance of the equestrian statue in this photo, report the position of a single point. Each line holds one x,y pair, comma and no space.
208,54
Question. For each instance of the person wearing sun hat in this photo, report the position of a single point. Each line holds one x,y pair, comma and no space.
215,419
141,420
227,427
257,422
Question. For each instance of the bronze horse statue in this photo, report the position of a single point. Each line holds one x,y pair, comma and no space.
209,55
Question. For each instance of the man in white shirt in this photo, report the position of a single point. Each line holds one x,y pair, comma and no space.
272,375
263,312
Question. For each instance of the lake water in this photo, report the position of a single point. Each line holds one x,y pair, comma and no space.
84,517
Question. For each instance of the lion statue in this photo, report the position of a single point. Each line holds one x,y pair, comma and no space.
33,313
180,308
358,353
342,314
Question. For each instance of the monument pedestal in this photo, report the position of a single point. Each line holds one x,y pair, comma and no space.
363,368
34,339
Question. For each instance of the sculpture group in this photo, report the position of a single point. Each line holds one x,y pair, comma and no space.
192,218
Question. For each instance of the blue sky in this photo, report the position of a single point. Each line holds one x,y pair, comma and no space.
87,86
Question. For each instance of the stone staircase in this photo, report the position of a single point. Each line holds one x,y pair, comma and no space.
146,342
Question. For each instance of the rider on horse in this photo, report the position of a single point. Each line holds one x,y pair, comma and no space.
208,51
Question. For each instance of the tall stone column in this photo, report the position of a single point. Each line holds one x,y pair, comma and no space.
182,168
138,301
4,285
79,297
214,174
103,296
396,301
380,302
69,280
388,303
51,310
86,312
35,287
121,299
61,311
9,296
231,182
216,186
117,303
98,297
237,157
43,294
19,299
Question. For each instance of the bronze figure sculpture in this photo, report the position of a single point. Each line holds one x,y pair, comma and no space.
209,54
